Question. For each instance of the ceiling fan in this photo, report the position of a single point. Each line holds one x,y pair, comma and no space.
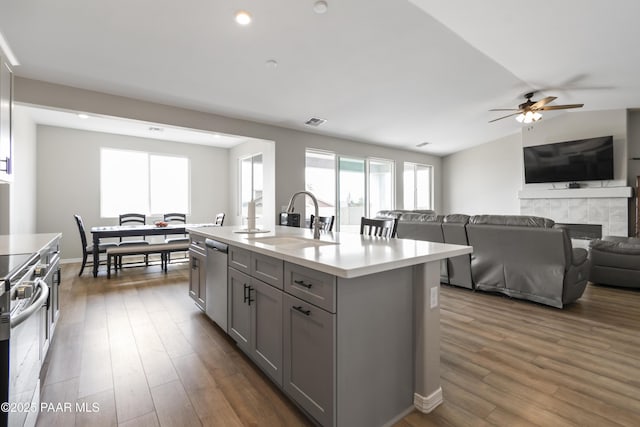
529,111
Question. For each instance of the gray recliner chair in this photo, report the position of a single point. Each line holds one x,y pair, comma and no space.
459,267
419,226
526,257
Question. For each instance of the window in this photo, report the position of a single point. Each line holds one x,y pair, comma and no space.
364,186
141,182
418,186
381,185
251,184
320,179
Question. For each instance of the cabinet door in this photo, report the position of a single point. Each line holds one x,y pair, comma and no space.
239,315
266,332
197,279
6,105
309,358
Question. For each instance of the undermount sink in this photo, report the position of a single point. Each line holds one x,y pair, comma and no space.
291,241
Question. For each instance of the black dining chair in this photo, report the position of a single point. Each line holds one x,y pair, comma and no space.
175,218
132,219
325,222
220,219
381,227
87,249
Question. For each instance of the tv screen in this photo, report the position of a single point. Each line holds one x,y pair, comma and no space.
582,160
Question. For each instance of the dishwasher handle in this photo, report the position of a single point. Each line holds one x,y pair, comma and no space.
217,246
41,299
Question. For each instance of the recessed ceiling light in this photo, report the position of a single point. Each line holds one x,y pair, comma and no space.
320,7
155,129
271,63
83,115
422,144
243,17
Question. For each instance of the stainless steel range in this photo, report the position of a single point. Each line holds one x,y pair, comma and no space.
23,330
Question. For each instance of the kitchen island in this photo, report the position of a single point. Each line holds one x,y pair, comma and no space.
347,325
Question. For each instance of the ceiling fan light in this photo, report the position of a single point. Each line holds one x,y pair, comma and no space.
520,118
536,116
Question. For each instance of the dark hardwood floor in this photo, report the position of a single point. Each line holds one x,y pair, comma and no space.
138,347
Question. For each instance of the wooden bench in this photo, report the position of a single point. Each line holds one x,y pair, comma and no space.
164,249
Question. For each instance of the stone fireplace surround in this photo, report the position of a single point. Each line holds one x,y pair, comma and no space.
607,206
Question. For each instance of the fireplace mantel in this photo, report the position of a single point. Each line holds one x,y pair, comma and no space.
577,193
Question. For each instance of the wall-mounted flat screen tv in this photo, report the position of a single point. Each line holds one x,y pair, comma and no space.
581,160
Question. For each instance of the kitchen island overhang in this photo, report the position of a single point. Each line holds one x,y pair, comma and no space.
409,266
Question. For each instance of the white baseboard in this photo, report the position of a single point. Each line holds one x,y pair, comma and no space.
429,403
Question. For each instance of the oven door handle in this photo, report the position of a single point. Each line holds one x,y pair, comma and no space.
40,301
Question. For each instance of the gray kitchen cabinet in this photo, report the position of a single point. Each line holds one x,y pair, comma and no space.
238,308
6,111
240,259
198,273
266,328
255,312
309,358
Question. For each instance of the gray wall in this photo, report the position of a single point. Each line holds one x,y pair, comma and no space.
68,179
484,179
487,178
290,144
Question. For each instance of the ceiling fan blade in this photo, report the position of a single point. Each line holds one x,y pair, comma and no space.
504,117
561,107
544,101
505,109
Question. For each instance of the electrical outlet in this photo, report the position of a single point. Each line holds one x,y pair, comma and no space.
434,297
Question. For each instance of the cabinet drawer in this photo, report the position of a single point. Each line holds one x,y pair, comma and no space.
240,259
313,286
269,270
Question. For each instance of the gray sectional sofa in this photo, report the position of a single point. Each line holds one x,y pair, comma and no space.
616,261
524,257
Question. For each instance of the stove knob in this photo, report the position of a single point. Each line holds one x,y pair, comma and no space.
41,270
24,291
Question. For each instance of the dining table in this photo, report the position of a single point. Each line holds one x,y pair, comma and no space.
103,232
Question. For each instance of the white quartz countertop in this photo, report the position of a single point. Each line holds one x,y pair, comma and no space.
12,244
342,254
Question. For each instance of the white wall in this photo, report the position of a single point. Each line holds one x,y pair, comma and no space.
268,150
484,179
68,179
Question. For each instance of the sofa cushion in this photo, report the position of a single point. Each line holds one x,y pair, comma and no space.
456,219
420,217
579,256
627,246
512,220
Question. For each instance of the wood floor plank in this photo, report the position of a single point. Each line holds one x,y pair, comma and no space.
173,406
504,362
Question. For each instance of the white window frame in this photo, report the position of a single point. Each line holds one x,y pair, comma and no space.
240,183
367,180
150,183
414,166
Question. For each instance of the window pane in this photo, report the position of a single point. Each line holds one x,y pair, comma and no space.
320,179
380,186
245,185
124,182
257,184
352,193
423,185
169,184
409,186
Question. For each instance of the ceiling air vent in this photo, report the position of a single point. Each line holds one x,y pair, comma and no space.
315,122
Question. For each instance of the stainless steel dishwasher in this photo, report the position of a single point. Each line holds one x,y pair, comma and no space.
216,301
